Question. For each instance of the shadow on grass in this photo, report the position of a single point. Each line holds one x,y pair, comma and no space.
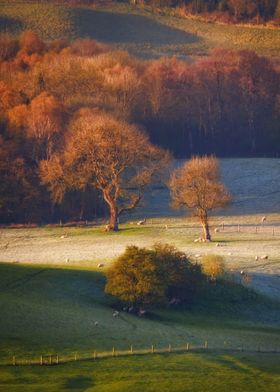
10,25
78,383
120,28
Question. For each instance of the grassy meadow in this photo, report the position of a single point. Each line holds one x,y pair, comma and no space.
167,373
136,29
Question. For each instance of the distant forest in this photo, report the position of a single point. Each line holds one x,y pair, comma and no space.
252,11
256,11
227,104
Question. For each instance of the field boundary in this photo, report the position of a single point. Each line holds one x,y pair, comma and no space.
56,359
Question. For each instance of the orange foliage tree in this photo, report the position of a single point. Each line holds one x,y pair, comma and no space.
109,154
197,186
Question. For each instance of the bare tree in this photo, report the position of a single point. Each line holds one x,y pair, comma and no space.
197,186
109,154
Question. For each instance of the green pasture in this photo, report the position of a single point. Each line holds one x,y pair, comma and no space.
189,372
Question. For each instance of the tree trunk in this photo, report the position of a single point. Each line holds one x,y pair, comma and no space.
114,224
206,231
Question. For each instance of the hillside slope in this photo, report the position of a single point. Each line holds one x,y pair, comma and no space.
139,31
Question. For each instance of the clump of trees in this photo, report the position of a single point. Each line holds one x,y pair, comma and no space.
197,186
230,10
227,104
158,275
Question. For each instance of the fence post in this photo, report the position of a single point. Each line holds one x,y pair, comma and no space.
94,355
14,360
169,348
41,360
238,229
131,349
153,349
256,229
57,359
50,360
76,356
113,352
188,346
206,344
273,231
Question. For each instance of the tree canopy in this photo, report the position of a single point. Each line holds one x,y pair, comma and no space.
109,154
143,276
198,187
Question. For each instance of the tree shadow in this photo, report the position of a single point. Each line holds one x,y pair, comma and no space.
134,29
78,383
10,25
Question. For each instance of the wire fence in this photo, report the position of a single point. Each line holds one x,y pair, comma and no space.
56,359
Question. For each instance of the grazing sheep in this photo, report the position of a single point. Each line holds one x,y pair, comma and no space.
242,272
63,236
257,258
96,323
229,254
100,265
141,222
116,313
197,255
218,244
216,230
197,240
263,219
107,228
264,257
67,260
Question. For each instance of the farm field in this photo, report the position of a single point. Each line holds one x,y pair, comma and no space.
174,373
135,29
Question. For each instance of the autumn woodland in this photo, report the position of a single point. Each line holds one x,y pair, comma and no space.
55,93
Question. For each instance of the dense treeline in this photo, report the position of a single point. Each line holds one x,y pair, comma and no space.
227,104
256,11
227,10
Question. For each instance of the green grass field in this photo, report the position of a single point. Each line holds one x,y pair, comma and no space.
135,29
152,373
48,310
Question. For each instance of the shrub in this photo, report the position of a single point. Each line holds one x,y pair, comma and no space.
150,276
213,266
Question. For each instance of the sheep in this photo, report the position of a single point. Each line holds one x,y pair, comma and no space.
264,257
242,272
100,265
229,254
116,313
197,255
218,244
141,222
96,323
257,258
63,236
216,230
67,260
263,219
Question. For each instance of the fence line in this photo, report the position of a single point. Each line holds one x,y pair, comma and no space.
56,359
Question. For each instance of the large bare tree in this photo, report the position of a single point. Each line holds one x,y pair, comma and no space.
108,154
197,186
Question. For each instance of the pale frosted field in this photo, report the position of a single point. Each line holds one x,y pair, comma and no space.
255,184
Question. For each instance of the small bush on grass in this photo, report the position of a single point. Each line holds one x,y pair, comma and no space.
158,275
213,266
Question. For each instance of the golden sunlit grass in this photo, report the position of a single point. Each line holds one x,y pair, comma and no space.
136,29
